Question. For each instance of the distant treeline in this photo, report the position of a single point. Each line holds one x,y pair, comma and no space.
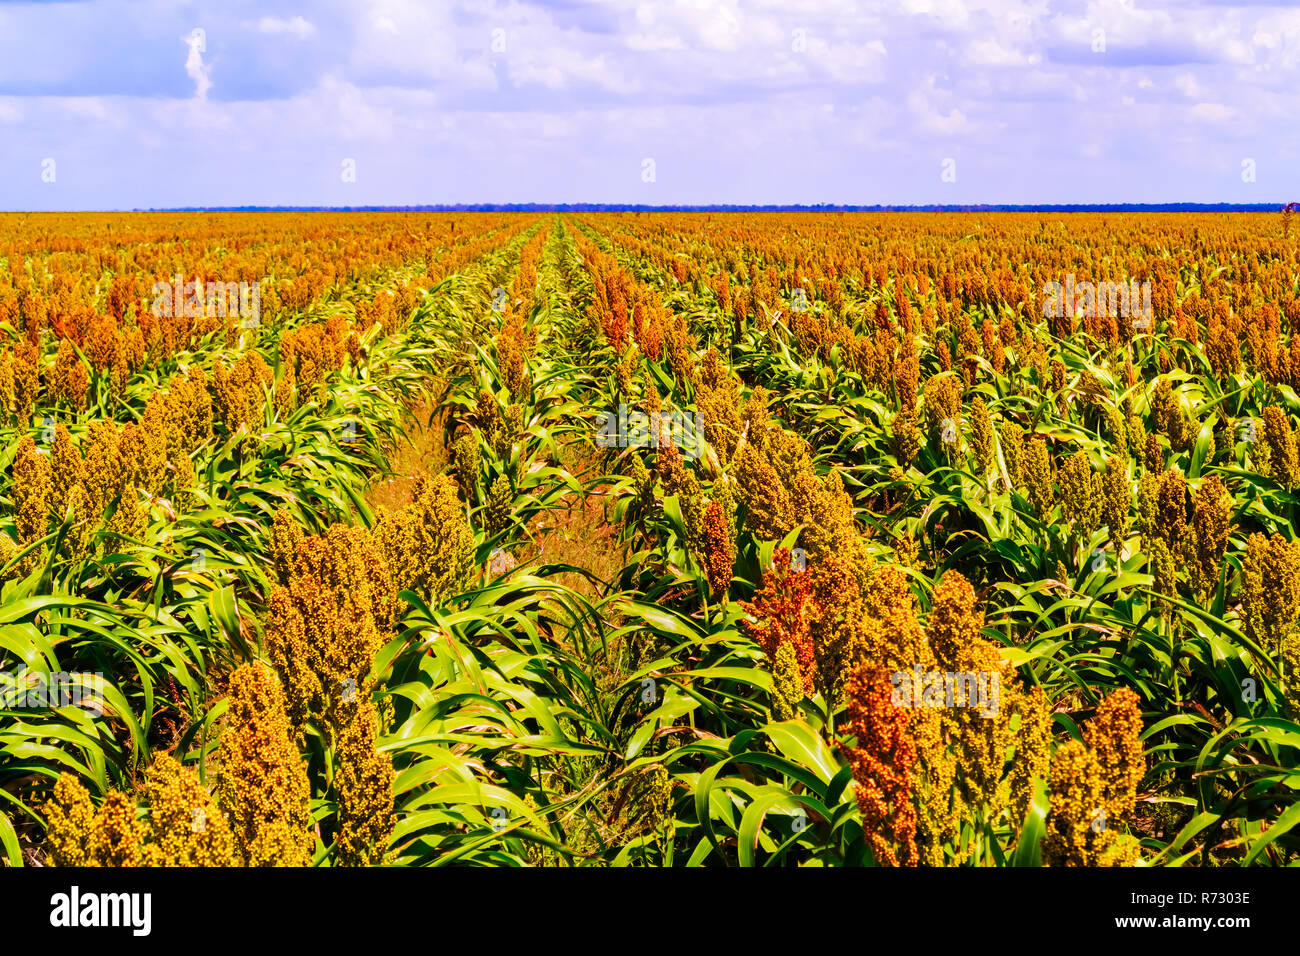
823,207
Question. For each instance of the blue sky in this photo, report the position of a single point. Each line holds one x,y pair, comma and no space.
122,104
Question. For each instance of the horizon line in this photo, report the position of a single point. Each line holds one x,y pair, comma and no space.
700,207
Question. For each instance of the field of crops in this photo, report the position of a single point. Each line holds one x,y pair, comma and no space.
672,539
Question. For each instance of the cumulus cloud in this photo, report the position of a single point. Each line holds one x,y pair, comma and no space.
194,67
1187,85
924,105
279,26
1211,113
990,52
760,100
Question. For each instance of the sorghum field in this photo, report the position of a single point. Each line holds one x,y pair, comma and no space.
672,539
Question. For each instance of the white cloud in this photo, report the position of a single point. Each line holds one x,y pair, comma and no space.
88,108
950,14
194,67
719,24
932,118
1187,85
1279,34
654,41
1211,113
557,69
990,52
582,90
847,62
295,27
